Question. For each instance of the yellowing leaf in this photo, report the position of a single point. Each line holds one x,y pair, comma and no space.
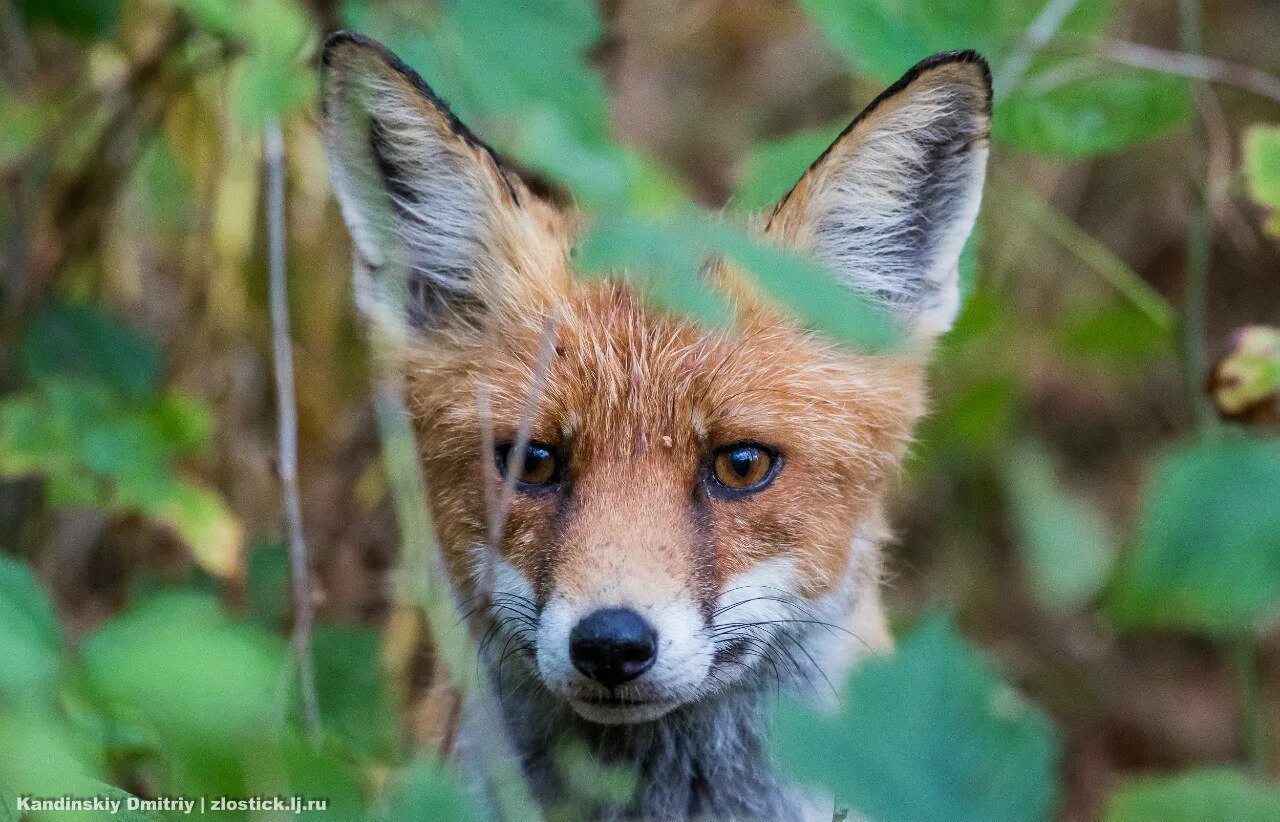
1262,170
203,521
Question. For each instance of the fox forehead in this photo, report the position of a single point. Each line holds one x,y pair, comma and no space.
635,399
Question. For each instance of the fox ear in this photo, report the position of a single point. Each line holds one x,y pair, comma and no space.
889,205
421,195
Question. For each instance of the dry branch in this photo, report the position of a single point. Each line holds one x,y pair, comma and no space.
287,410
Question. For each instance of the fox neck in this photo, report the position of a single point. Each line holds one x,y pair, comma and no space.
705,760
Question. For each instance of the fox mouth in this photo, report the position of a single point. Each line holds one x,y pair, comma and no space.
619,710
616,701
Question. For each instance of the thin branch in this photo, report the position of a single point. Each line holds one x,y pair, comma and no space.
501,507
1192,66
286,404
1089,251
1041,31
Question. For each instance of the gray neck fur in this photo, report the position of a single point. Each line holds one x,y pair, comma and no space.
704,761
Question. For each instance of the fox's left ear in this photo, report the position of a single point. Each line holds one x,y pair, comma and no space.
889,205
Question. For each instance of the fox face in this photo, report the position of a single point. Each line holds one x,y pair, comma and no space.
639,512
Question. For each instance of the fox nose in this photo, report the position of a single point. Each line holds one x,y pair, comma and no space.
613,646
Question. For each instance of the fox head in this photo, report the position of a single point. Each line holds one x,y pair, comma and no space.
647,512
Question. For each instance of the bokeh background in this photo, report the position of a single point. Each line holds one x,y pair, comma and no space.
1087,568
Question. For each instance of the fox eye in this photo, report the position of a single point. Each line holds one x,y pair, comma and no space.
744,468
539,468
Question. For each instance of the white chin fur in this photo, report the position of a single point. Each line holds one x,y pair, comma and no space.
621,714
677,676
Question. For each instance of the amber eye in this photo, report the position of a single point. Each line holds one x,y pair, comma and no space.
744,467
540,467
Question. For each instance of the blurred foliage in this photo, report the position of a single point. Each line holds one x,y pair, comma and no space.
1068,544
1206,545
1201,796
1262,169
97,426
139,142
939,736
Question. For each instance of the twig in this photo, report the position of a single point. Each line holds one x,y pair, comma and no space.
1092,253
1220,162
1195,292
286,405
1040,32
1199,250
499,509
1192,66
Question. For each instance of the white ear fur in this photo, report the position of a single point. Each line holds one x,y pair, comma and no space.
889,205
418,191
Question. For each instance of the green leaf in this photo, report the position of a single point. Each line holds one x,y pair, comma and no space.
266,86
772,168
355,703
427,789
88,18
1056,105
1209,795
1262,171
1247,378
1117,332
1208,539
81,340
30,636
268,583
1078,109
812,292
659,257
177,666
884,38
930,733
1066,543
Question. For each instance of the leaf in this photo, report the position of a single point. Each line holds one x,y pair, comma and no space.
1117,332
427,789
1245,383
1079,109
930,733
203,521
81,340
271,80
268,583
884,38
266,85
355,703
87,18
1262,171
1066,543
1063,106
812,292
30,636
772,168
177,665
1207,795
659,257
1207,554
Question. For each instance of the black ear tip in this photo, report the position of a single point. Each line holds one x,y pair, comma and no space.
336,40
952,58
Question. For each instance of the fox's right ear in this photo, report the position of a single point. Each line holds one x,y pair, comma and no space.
428,204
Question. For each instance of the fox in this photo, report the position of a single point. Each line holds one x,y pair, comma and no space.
694,516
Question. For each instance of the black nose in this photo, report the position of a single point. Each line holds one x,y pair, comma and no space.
613,646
